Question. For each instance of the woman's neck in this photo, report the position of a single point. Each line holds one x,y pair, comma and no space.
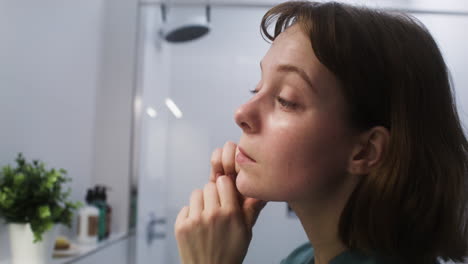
320,221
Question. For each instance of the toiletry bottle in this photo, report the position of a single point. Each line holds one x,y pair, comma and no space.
99,202
133,207
88,218
108,213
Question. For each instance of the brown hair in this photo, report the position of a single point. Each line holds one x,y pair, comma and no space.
392,74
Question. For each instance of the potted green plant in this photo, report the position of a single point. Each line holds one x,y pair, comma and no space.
33,204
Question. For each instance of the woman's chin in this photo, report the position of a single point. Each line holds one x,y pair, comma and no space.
247,187
250,186
244,184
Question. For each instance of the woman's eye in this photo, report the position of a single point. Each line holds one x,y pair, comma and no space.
283,102
286,103
254,91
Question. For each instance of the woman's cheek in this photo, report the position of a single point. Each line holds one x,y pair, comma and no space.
303,165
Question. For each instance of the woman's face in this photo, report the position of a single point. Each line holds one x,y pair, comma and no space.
293,127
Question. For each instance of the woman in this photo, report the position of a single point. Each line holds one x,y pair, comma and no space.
354,125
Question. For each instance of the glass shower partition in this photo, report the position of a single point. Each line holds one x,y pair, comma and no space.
207,79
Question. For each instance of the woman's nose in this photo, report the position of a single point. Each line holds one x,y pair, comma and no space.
247,117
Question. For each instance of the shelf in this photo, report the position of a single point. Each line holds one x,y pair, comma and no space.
85,250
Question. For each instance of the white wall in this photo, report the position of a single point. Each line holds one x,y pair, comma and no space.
49,56
66,81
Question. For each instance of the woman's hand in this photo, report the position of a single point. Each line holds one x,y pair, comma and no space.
217,226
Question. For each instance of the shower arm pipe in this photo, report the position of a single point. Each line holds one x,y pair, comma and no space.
164,9
268,5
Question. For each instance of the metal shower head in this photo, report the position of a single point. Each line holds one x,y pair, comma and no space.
186,29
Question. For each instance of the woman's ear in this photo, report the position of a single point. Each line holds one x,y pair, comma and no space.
368,150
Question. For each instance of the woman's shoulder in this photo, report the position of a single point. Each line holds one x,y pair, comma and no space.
304,254
301,255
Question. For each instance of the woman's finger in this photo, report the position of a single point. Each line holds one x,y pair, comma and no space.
183,214
210,197
196,204
216,164
227,193
228,158
237,168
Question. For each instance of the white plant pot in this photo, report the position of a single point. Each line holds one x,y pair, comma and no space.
25,251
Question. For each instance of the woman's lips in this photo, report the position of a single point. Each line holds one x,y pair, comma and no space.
242,157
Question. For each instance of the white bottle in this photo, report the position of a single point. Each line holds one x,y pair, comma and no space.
88,219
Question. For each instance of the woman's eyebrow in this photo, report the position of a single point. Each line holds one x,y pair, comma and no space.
295,69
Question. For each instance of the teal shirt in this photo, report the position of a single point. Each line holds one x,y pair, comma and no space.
304,254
